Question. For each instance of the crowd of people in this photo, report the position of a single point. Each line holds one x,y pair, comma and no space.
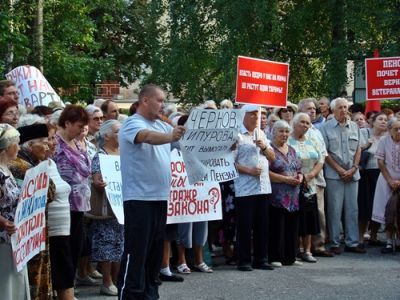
312,176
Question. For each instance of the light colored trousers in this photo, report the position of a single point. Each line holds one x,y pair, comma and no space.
342,197
318,241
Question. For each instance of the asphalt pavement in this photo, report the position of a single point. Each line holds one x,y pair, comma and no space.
346,276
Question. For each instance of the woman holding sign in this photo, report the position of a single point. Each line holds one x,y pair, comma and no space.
13,285
108,234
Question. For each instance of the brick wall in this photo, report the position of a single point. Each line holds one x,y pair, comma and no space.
107,89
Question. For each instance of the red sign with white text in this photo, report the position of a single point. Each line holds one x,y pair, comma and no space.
261,82
382,78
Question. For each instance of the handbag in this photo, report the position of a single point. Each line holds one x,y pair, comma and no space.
365,155
307,201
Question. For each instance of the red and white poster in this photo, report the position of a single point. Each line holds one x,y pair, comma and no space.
191,202
382,78
261,82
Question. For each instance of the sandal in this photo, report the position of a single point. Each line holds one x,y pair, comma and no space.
183,269
203,268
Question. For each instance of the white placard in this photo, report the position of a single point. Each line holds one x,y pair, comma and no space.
30,220
111,173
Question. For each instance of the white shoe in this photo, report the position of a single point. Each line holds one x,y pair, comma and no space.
297,263
96,275
307,257
109,291
276,264
86,281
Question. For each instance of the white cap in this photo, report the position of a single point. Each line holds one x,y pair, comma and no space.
250,107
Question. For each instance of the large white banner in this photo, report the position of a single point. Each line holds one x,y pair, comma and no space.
29,220
191,202
206,144
33,87
111,173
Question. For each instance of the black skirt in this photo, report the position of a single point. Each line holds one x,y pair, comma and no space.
366,192
309,221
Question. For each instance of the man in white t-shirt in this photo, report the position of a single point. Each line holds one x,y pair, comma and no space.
146,173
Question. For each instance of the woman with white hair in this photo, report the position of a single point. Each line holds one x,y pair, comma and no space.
226,104
312,161
286,177
108,234
13,284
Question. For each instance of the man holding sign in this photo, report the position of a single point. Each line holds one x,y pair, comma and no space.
146,175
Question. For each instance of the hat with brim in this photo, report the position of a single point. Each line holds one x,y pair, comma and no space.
31,132
250,108
288,104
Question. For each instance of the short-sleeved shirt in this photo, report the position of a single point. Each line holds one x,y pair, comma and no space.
366,134
285,195
316,136
342,144
145,168
248,155
309,153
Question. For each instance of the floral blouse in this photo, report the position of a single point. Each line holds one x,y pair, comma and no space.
284,195
9,195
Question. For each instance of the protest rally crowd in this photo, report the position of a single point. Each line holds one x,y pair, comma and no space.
312,176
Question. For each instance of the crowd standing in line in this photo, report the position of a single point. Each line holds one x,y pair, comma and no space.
311,177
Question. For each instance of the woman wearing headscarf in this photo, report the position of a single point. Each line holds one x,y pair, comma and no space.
13,285
33,141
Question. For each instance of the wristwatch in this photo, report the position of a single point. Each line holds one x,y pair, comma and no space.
356,166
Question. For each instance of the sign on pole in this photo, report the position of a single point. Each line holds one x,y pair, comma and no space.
30,220
261,82
191,202
111,173
33,87
382,78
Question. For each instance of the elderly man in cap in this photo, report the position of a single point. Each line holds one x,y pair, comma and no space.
252,192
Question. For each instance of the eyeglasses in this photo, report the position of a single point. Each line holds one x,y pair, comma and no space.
11,114
285,110
97,119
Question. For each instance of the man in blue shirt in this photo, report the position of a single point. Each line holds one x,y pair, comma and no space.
146,173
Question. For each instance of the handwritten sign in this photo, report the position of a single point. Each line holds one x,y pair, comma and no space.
382,78
30,220
207,142
261,82
191,202
111,173
33,87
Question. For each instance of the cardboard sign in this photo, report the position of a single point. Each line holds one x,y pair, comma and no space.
191,203
261,82
382,78
33,87
207,142
111,173
30,220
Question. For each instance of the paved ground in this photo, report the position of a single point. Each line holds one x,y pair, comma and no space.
348,276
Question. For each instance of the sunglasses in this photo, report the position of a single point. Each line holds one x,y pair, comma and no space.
285,110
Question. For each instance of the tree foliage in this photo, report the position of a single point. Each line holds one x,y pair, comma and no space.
190,47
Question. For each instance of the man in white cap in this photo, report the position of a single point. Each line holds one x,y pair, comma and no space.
252,189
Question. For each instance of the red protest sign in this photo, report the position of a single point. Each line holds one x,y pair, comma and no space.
261,82
382,78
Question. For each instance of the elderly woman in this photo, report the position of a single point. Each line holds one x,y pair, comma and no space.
286,177
9,113
13,284
312,161
108,234
252,192
62,272
33,140
73,165
287,113
370,138
388,155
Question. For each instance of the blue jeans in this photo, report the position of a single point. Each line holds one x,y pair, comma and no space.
342,197
192,233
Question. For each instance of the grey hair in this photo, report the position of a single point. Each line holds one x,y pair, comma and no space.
334,101
298,116
271,116
29,119
91,109
392,121
170,108
26,146
325,99
281,124
226,103
305,101
55,116
105,128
